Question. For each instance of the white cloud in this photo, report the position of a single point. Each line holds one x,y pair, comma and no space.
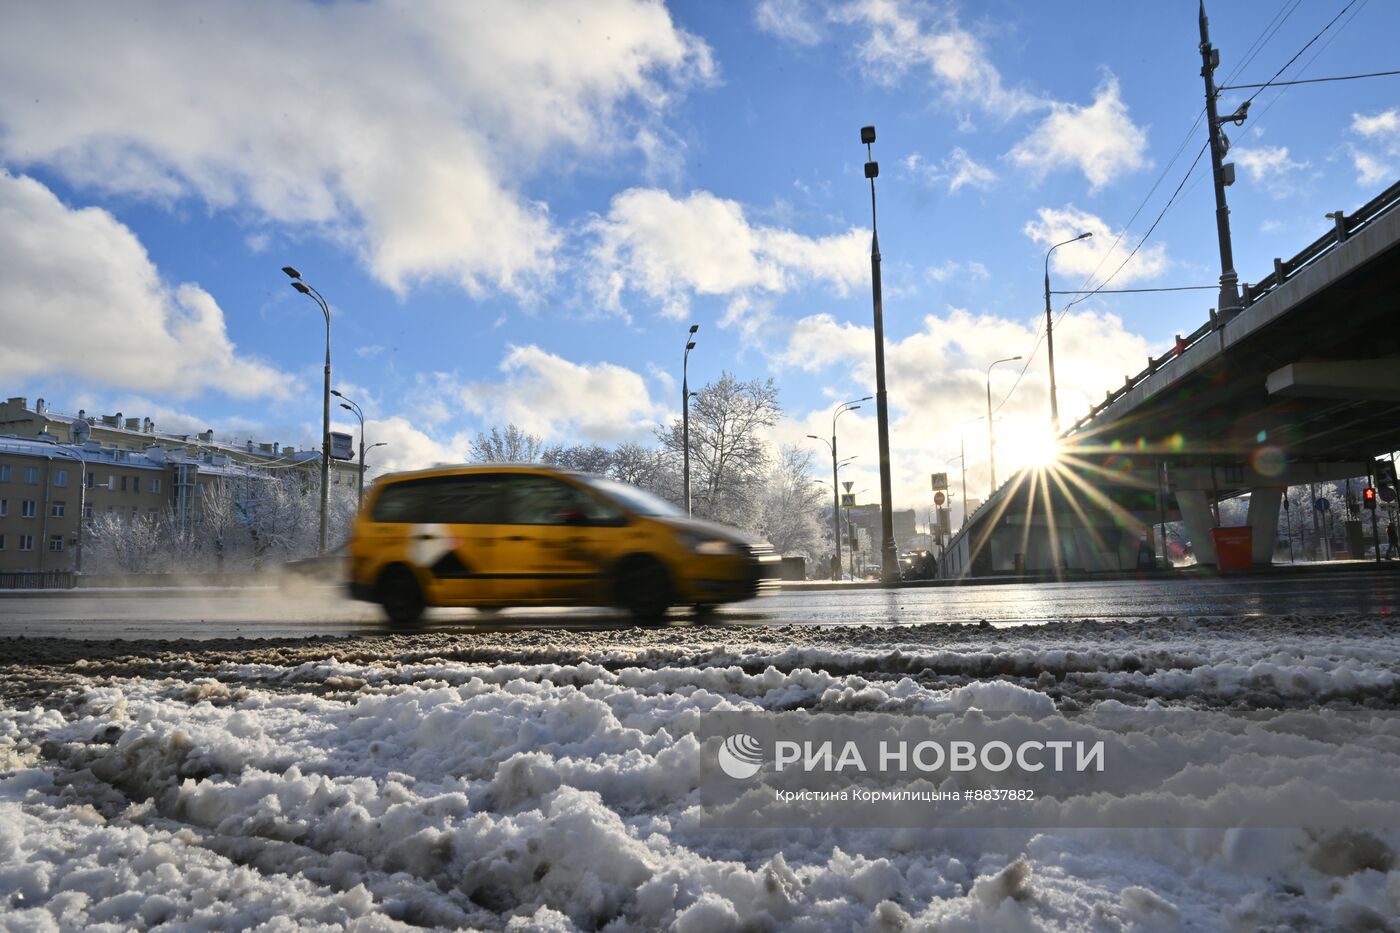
957,171
897,38
1097,256
408,447
1100,140
937,381
269,107
79,294
1271,168
558,399
1377,162
952,270
670,248
792,20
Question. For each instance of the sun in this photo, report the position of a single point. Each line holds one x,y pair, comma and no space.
1028,443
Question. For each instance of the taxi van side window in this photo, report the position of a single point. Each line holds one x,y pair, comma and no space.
448,500
544,500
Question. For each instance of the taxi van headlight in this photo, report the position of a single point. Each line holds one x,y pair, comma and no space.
710,546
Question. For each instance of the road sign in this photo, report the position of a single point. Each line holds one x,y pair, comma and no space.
1321,504
939,481
1385,471
938,498
1387,493
848,484
847,500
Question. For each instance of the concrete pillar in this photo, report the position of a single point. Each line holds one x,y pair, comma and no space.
1263,519
1196,513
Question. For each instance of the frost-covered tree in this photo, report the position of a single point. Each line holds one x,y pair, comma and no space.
728,455
789,504
512,445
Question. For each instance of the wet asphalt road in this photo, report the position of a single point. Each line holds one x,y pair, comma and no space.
271,614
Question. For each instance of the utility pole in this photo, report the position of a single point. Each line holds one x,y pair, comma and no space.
1223,175
889,555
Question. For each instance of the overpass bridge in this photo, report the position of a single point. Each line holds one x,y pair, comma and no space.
1301,385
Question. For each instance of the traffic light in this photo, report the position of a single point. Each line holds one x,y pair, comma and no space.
1368,497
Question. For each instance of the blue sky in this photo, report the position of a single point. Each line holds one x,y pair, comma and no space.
516,210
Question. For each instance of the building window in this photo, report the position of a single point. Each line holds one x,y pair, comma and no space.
55,542
153,514
4,507
31,476
111,482
155,484
57,509
28,509
4,472
60,477
2,542
134,511
87,511
124,483
89,480
26,542
136,484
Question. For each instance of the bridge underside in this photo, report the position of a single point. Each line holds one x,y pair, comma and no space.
1302,386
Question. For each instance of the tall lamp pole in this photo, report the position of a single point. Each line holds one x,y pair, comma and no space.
1050,341
685,413
354,409
889,556
311,293
962,460
991,433
835,488
1222,174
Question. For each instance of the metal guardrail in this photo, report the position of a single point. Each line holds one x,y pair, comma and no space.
1346,226
36,580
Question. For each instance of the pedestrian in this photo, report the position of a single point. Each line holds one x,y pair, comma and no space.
1392,539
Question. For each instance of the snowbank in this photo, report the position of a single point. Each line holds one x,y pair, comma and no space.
549,781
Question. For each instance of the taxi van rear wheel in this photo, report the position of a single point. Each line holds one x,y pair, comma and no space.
401,597
642,588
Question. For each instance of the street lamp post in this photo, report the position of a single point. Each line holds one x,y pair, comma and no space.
991,433
835,490
685,413
82,501
1050,338
889,557
962,460
354,409
311,293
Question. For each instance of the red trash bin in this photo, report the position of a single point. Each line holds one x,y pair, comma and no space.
1234,547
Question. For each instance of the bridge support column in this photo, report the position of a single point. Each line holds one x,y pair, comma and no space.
1263,520
1199,519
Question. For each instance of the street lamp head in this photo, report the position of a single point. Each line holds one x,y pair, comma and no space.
853,408
1011,359
293,273
345,406
336,393
867,134
694,328
1085,235
872,170
815,438
690,346
301,287
866,399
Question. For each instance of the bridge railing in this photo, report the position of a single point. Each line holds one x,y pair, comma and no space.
1345,226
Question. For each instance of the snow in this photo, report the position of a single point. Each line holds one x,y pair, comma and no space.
548,780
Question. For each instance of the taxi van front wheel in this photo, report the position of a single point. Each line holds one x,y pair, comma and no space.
642,588
401,596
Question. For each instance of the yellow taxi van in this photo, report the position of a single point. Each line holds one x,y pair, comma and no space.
496,535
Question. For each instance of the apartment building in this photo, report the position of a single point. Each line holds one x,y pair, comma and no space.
121,432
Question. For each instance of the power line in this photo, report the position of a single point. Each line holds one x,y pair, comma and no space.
1299,53
1370,74
1124,291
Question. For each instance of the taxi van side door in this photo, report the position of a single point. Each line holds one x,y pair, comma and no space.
560,539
